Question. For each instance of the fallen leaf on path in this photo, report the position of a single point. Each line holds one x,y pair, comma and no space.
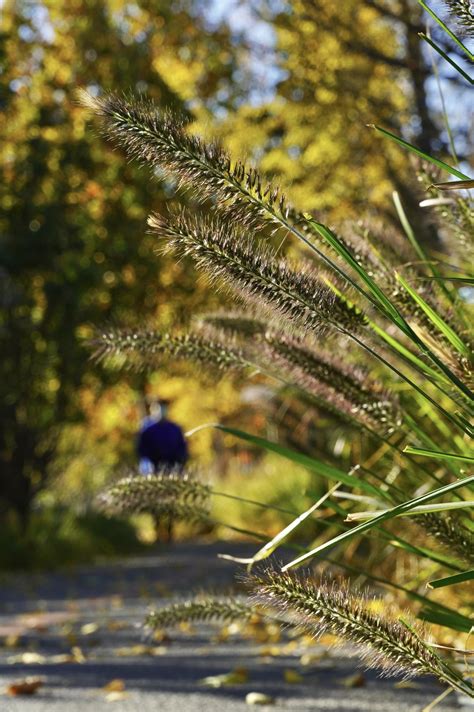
292,676
312,658
27,658
77,654
270,651
115,696
258,698
116,685
407,685
28,686
117,625
89,628
30,658
135,651
12,640
161,636
357,680
234,677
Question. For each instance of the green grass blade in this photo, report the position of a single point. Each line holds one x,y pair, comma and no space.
446,57
416,511
437,557
377,294
464,280
277,540
438,611
417,151
435,318
389,514
408,228
449,32
437,454
406,353
452,580
447,620
415,244
381,301
312,464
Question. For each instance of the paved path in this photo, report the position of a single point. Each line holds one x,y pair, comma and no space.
80,630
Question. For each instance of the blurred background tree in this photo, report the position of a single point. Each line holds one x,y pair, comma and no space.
292,84
73,244
336,68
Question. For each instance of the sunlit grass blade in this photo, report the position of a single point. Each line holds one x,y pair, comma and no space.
437,454
383,303
408,228
451,278
446,57
406,353
455,185
312,464
277,540
435,318
416,511
449,32
389,514
409,232
421,154
452,580
378,296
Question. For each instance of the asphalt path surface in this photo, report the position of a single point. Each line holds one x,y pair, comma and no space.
79,632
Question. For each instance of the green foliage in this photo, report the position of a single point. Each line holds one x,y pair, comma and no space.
58,537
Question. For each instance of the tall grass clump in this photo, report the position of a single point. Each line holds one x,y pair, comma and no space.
370,326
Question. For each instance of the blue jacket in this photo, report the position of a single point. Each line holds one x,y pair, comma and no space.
163,444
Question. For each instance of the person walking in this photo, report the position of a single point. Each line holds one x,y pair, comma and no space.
161,446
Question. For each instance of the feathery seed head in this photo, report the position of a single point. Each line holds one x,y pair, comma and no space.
331,607
166,493
143,348
450,533
158,139
462,12
225,253
200,610
343,388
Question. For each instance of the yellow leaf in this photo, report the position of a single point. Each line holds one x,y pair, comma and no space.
406,684
292,676
234,677
78,655
132,651
116,685
258,698
356,680
89,628
312,658
28,658
115,696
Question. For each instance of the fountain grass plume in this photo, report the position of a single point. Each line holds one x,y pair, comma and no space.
166,493
145,348
451,534
462,12
232,258
159,140
347,389
200,609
